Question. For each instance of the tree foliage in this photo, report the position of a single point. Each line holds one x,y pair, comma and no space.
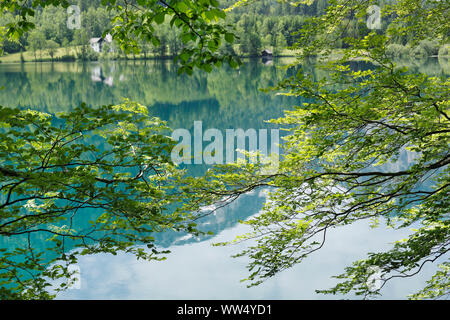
111,163
200,22
340,159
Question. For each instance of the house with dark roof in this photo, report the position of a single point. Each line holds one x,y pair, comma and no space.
266,53
98,43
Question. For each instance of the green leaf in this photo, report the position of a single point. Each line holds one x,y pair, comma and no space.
229,37
159,18
182,7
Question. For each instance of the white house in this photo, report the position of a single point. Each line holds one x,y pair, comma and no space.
97,43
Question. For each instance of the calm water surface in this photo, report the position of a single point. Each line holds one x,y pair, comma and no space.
223,99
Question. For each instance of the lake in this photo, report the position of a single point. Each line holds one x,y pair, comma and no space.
223,99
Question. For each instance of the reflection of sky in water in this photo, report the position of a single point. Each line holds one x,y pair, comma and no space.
196,270
200,271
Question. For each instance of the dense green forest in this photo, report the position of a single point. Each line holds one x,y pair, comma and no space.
265,24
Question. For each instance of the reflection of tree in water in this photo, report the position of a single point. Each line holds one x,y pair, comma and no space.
223,99
52,84
61,86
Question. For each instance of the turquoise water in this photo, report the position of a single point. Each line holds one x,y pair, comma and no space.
224,99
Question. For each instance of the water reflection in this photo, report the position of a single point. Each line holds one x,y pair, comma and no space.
223,99
200,271
98,75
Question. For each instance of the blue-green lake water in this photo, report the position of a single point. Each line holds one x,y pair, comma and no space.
223,99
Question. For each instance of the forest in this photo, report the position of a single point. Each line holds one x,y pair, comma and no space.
266,24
